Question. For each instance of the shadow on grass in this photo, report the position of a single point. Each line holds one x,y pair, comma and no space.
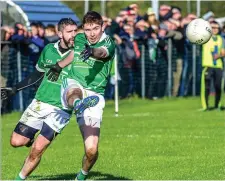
71,176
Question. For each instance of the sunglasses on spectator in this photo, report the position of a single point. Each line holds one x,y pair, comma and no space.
213,27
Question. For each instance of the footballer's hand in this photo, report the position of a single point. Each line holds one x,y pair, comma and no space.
86,53
54,72
7,92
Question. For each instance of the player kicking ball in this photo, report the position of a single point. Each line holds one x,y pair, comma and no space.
45,113
83,90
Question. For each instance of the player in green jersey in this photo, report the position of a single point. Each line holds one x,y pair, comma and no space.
45,113
84,88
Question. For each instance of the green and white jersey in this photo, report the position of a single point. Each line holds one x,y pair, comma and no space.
93,73
49,92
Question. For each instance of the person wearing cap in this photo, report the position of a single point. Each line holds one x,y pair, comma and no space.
153,23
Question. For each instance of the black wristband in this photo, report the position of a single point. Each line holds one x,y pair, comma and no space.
58,68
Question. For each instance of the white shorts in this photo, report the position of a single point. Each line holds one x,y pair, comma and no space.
38,112
91,116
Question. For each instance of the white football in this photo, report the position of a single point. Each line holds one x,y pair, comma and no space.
199,31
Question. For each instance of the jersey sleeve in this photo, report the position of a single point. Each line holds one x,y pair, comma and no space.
109,46
79,41
41,61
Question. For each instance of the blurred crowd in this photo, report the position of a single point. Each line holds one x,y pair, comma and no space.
31,40
131,31
137,37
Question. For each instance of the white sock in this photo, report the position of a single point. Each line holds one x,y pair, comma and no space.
84,172
21,176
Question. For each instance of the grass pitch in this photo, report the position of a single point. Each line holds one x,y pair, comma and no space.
150,140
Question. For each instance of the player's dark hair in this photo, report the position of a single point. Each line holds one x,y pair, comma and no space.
65,22
92,17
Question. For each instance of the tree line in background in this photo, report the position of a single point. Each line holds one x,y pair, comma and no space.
113,7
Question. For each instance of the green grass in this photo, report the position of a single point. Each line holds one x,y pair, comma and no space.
150,140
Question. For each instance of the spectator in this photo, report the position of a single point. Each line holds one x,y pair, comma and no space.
164,12
161,63
130,53
36,44
212,53
135,8
152,21
5,66
41,29
123,14
50,34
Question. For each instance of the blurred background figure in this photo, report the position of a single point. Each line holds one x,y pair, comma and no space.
50,34
212,54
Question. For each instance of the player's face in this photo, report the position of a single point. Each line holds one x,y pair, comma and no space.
93,32
67,35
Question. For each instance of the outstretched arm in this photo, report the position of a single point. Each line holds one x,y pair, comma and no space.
98,53
32,79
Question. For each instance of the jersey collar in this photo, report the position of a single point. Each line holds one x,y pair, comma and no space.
102,37
56,45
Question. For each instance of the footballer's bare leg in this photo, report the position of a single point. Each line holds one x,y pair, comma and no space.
18,140
32,161
72,95
91,138
75,100
23,135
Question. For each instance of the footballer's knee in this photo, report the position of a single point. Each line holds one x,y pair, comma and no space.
73,94
37,149
18,140
92,152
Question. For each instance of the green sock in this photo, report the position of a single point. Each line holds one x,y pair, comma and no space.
19,178
81,175
76,102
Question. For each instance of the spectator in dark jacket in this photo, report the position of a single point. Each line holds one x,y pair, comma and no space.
36,44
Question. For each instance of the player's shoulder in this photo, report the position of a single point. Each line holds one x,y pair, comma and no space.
106,40
80,37
49,47
106,37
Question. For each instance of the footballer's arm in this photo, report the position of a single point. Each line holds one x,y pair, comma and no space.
66,61
32,79
100,53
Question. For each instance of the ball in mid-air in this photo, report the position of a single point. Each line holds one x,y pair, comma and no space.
199,31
